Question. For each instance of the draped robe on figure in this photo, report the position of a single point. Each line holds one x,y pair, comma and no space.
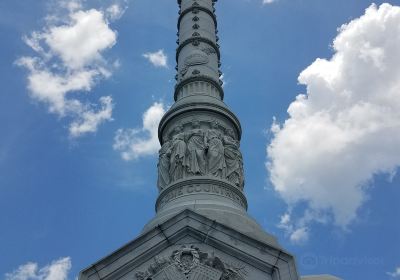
215,155
233,159
178,154
196,148
163,165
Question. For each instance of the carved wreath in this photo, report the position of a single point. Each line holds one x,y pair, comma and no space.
186,259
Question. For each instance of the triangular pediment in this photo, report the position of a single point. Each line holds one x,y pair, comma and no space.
217,252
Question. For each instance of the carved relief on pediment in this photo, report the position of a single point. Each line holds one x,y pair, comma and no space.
190,263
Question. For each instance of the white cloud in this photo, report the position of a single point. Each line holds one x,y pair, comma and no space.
158,58
346,129
69,59
89,120
135,143
395,274
268,1
81,42
57,270
298,230
71,5
297,235
115,11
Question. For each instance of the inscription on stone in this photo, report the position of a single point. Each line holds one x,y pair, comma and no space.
200,188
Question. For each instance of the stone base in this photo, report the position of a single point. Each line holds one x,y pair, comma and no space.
217,200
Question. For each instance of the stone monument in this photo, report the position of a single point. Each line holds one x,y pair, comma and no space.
201,230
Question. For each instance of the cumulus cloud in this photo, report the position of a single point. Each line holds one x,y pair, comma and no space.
138,142
57,270
395,274
345,129
158,58
298,235
80,42
71,5
69,60
115,11
89,119
268,1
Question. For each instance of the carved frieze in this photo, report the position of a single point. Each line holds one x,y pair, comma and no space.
190,263
195,59
208,50
200,151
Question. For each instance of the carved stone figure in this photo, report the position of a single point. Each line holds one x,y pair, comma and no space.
189,263
164,165
233,159
215,154
178,153
196,162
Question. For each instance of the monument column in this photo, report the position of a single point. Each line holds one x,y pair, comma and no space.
201,230
200,164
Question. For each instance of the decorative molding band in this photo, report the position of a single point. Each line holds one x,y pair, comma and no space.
198,78
198,88
196,41
200,8
199,106
200,185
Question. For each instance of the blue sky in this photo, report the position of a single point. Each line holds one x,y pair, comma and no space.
78,164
